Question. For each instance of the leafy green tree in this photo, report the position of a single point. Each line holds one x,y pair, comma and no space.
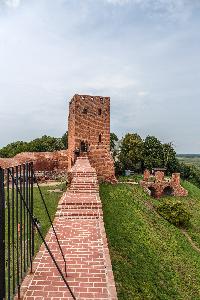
65,139
43,144
113,139
131,153
153,153
170,161
46,144
14,148
185,170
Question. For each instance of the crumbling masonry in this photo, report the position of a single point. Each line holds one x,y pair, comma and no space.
158,186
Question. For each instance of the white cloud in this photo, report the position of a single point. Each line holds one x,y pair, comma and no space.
111,81
142,93
174,9
12,3
50,50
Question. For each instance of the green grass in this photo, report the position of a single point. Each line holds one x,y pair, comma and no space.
135,178
51,199
151,258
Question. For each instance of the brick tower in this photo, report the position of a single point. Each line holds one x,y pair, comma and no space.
89,134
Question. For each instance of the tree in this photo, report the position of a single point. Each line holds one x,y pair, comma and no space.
43,144
170,161
65,139
113,139
46,144
131,152
153,153
14,148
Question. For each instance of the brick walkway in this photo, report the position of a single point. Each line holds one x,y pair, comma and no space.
80,229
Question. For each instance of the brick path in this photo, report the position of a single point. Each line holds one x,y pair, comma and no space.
80,229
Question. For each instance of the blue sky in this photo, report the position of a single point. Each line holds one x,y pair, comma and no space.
144,54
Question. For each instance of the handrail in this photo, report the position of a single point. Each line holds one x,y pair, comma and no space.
51,222
41,236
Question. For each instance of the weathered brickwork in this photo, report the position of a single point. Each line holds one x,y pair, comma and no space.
43,161
158,185
89,127
80,228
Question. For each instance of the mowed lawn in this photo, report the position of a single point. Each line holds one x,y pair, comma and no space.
151,258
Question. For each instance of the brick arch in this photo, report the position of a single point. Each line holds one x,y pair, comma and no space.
153,191
168,191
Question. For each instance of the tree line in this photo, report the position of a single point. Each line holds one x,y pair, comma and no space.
136,154
43,144
132,153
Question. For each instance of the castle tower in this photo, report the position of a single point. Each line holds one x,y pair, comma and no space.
89,132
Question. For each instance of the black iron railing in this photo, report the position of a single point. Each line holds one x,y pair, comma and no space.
17,226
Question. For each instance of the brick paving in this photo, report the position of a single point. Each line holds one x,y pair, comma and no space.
80,228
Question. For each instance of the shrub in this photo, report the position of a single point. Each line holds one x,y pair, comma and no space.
174,212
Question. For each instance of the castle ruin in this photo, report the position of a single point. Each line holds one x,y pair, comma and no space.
89,134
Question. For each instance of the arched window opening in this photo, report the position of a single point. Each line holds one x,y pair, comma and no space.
152,191
99,111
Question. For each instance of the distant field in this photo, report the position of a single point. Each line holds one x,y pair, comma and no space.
190,159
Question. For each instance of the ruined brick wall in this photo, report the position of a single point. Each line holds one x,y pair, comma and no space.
159,186
43,161
89,123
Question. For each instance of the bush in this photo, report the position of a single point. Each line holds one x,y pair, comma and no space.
174,212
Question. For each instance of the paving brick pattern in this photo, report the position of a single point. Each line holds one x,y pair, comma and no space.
80,229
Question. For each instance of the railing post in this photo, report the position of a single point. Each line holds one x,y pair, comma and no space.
2,236
32,249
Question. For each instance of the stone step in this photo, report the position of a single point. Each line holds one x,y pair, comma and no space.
75,207
83,181
84,191
80,212
85,186
67,207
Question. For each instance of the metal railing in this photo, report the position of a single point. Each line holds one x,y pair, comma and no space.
17,227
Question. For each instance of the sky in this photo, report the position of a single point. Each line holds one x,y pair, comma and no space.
144,54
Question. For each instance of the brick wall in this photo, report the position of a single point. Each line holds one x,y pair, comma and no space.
159,186
43,161
89,123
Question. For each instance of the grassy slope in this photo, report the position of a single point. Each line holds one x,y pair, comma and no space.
151,258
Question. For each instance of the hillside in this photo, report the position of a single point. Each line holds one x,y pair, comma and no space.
151,258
